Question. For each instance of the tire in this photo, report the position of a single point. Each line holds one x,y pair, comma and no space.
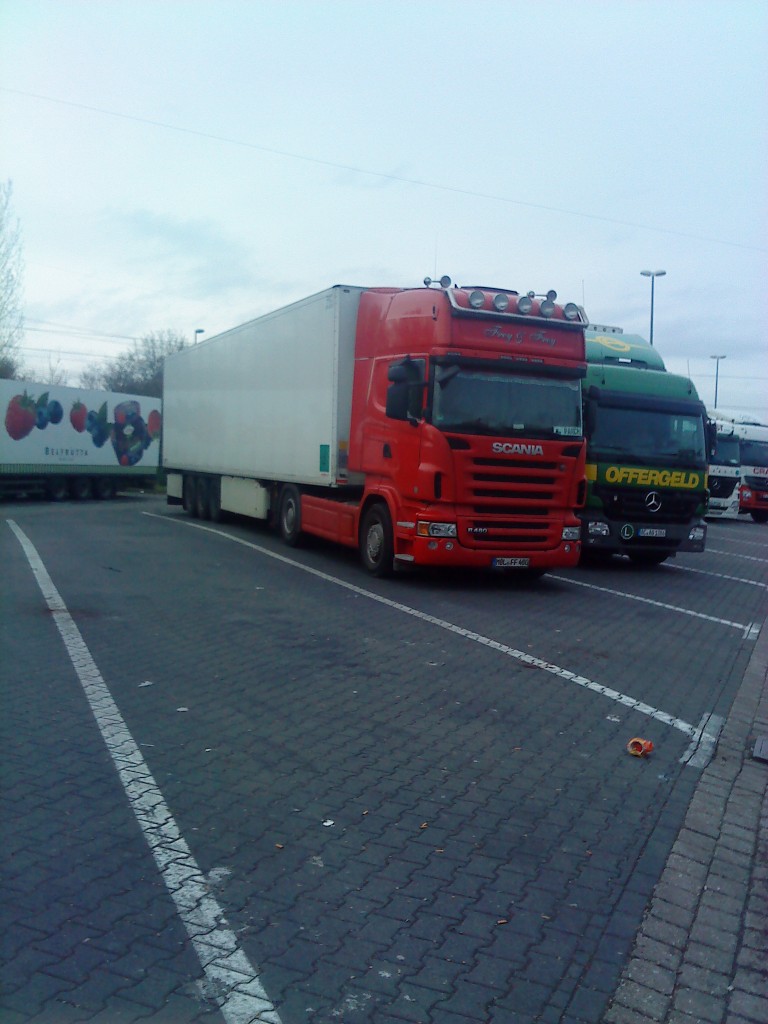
201,498
760,517
80,488
289,522
189,501
376,541
214,500
103,488
57,488
648,557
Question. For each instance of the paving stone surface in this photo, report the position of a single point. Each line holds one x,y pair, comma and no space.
399,818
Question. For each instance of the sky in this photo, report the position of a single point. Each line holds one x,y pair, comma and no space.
188,165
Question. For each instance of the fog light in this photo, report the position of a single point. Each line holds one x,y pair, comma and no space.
449,545
697,533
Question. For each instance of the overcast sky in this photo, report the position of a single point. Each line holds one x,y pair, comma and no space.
182,165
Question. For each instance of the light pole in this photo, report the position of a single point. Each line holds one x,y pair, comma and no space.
717,373
198,331
653,274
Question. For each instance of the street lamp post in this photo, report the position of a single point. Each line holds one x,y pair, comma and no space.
717,373
653,274
198,332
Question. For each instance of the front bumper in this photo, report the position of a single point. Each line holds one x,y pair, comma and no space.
625,536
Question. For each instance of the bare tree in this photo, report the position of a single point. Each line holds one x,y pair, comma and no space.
139,371
11,286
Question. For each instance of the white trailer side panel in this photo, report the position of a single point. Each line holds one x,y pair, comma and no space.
270,399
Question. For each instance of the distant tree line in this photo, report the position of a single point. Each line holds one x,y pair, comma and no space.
11,286
138,371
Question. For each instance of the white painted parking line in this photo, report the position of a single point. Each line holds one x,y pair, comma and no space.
716,575
734,554
747,629
526,659
232,981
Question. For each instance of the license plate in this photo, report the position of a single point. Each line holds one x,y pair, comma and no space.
647,531
511,563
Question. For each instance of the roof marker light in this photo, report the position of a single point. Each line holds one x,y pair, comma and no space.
500,302
476,299
551,294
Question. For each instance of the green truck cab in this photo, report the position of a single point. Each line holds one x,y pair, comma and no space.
647,451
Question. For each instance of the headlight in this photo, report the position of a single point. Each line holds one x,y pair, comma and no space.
436,529
745,494
599,530
571,532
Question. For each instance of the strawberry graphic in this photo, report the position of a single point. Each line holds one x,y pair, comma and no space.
21,416
77,416
154,422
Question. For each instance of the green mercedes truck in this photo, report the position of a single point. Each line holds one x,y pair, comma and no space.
648,439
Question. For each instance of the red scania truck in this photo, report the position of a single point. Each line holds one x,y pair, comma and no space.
429,426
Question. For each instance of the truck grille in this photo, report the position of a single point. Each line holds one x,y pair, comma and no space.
626,503
531,491
722,486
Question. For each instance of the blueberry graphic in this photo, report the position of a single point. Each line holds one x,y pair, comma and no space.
55,411
42,418
90,421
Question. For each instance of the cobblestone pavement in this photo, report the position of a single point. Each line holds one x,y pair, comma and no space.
389,819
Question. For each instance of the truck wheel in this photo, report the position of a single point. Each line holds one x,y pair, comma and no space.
56,488
376,541
290,515
80,488
201,498
648,557
103,488
214,500
760,517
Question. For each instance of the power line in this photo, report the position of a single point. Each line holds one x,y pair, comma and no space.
373,173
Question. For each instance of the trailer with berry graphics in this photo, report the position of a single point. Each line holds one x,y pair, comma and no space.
429,426
65,442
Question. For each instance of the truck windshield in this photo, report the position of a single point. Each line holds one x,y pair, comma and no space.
754,453
469,401
726,452
648,437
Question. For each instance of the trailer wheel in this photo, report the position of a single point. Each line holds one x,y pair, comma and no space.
376,541
103,488
188,495
80,488
201,498
56,488
290,515
214,500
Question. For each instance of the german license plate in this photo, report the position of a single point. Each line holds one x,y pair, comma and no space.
511,563
648,531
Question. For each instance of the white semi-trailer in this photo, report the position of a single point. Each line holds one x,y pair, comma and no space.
72,442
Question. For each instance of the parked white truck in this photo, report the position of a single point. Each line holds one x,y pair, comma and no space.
724,472
66,442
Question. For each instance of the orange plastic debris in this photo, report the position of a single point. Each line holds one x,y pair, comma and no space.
639,747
